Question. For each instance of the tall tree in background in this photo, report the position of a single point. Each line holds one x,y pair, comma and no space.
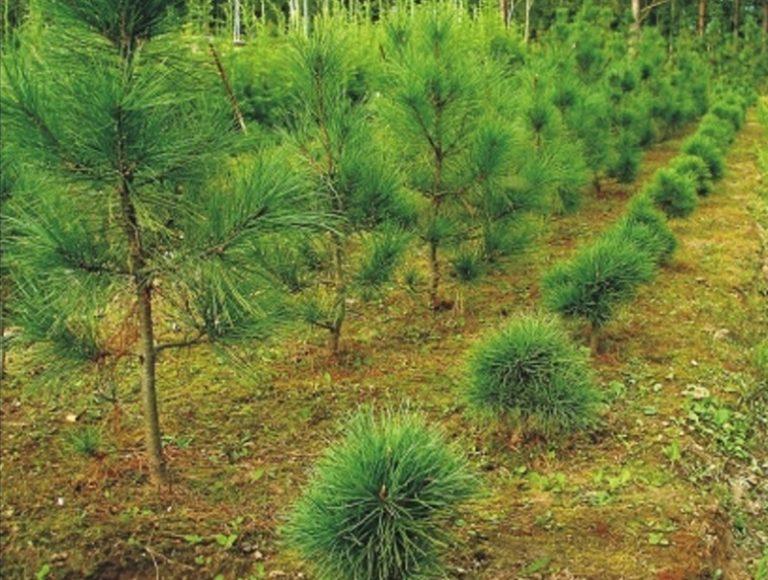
128,137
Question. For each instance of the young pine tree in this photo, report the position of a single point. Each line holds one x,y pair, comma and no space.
127,136
451,148
348,175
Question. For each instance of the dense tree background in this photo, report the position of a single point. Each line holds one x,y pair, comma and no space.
212,16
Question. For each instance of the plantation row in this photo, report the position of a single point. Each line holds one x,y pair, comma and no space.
349,525
139,219
487,139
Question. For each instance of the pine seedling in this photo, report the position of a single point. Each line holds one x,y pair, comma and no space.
673,192
718,130
530,372
453,155
347,174
130,133
729,111
641,211
695,168
709,152
595,282
380,502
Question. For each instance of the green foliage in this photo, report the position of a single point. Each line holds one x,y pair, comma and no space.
718,130
707,150
530,371
696,169
729,111
673,192
85,440
647,227
380,501
380,259
627,161
596,280
467,266
760,358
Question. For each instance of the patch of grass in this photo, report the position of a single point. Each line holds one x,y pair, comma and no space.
760,359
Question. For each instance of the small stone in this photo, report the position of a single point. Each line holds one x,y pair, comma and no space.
721,334
71,418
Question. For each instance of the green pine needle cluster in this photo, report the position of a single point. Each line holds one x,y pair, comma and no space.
531,372
380,501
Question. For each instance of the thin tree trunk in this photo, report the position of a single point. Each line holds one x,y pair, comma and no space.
736,19
528,6
147,351
340,296
765,23
236,28
228,88
434,269
702,23
504,7
594,339
634,29
148,357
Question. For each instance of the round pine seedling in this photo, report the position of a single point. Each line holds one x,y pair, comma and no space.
532,373
380,502
708,151
598,279
673,192
695,168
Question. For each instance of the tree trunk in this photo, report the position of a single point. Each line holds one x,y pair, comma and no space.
634,29
142,282
594,339
148,358
340,296
736,19
702,24
528,6
765,23
434,269
505,7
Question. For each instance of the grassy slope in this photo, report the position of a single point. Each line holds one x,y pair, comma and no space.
601,506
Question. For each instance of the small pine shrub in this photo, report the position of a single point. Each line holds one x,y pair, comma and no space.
642,212
718,130
673,192
761,359
380,501
706,149
531,372
729,111
467,266
85,441
597,280
626,163
695,168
